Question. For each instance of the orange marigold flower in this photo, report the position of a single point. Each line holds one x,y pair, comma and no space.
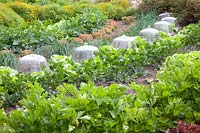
77,40
107,30
86,37
113,23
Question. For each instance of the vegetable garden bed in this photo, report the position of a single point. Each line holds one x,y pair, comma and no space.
146,89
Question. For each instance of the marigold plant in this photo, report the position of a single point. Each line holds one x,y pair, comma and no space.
77,40
26,11
8,17
86,37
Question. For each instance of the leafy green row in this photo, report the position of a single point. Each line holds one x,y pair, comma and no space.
27,36
149,109
109,65
122,65
43,33
190,34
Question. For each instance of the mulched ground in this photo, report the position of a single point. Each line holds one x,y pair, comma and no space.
149,78
144,80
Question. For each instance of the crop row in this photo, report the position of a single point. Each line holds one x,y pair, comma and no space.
116,108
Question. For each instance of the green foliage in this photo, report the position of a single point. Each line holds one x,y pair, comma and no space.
28,12
41,33
122,65
144,20
130,11
175,96
39,113
109,65
55,11
8,59
89,20
28,36
92,19
183,73
123,3
63,69
11,86
31,13
89,109
63,65
3,119
52,12
54,49
8,17
65,48
107,109
190,34
38,34
164,47
112,11
45,2
113,64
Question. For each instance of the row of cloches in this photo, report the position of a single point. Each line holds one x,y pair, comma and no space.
34,63
149,34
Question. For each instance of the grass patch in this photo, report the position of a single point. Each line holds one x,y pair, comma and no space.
143,21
